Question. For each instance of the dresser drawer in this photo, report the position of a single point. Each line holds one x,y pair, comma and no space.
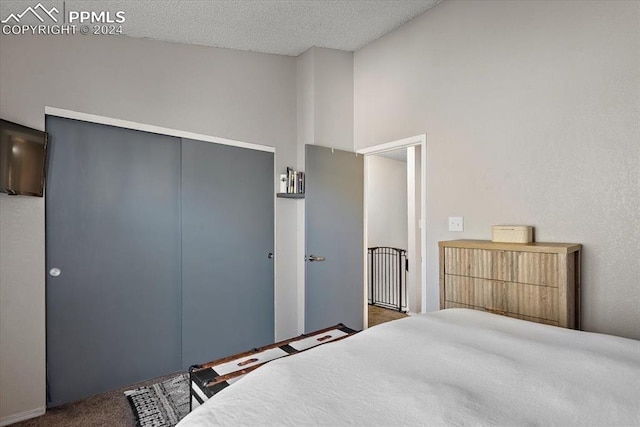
533,268
480,263
539,282
531,301
451,304
533,319
473,291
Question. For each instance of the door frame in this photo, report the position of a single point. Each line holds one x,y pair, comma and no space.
102,120
412,141
93,118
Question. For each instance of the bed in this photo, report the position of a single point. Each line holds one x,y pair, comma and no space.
452,367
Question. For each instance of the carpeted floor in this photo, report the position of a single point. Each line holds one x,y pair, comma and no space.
379,315
113,409
108,409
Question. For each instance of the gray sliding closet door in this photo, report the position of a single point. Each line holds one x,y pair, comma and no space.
227,235
113,231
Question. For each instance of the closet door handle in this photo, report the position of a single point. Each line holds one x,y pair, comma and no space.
312,258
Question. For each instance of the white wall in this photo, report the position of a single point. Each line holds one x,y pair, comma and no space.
414,235
305,84
324,83
239,95
386,202
333,99
306,131
531,111
22,315
325,98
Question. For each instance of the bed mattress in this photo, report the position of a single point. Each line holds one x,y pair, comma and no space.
452,367
208,379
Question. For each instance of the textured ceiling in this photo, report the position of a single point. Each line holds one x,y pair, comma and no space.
273,26
399,154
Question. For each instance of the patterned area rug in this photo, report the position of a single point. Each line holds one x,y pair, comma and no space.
161,404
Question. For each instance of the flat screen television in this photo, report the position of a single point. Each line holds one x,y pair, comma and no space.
22,159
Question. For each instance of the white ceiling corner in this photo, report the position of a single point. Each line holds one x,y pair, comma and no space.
285,27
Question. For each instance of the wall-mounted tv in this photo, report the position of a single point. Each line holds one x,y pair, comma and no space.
22,159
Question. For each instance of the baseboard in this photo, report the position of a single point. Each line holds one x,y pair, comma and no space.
21,416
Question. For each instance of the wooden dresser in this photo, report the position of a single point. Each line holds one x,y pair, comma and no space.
539,282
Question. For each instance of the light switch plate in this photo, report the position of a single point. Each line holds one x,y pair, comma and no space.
456,223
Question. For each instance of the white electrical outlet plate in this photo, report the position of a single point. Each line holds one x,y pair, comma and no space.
456,223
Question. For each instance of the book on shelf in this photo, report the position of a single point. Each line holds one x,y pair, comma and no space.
294,181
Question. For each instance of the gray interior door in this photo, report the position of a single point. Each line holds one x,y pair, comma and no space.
334,231
227,236
113,233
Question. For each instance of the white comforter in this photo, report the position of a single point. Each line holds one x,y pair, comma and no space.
452,367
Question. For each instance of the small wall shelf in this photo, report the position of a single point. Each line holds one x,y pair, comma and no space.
290,195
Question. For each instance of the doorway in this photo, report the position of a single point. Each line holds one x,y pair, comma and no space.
394,270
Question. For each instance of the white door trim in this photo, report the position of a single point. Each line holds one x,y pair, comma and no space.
69,114
420,140
394,145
